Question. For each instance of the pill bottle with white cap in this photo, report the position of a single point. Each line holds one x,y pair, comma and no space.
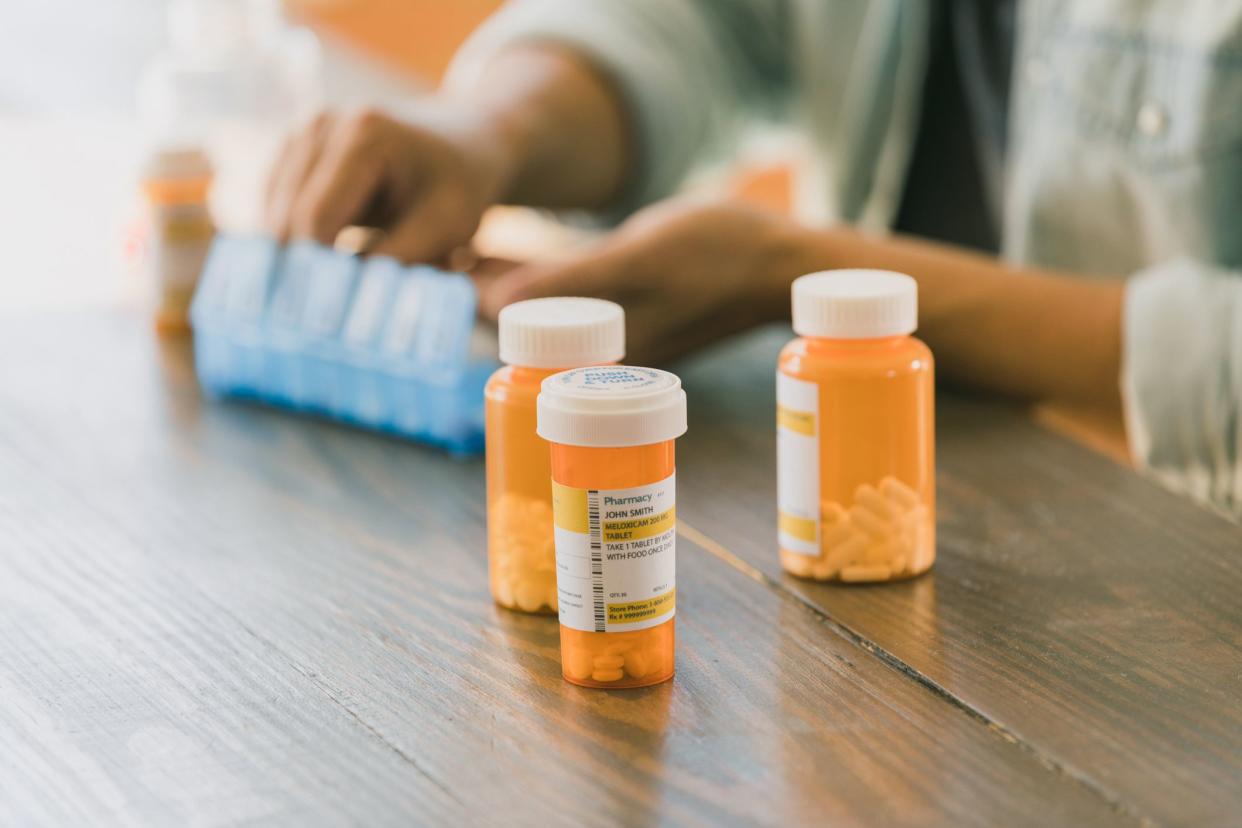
538,338
179,230
612,431
855,431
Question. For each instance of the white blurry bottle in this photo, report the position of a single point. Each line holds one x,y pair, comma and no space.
234,78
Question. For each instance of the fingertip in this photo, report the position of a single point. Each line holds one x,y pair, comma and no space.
314,219
324,228
274,227
276,219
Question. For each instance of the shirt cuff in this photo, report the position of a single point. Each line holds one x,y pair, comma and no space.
1182,379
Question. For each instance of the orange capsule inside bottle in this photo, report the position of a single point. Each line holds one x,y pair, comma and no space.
612,432
538,338
855,431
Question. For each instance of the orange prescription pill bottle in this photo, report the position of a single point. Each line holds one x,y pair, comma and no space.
613,495
855,403
176,183
538,338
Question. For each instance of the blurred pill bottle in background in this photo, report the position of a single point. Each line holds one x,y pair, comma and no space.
612,432
537,338
232,80
179,230
855,431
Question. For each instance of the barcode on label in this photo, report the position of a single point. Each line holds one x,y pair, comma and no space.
595,532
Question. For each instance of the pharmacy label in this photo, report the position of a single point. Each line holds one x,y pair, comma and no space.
797,464
615,556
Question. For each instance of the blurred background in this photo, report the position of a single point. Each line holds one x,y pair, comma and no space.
88,89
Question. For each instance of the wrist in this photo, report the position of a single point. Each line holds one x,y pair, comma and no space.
505,116
495,147
551,125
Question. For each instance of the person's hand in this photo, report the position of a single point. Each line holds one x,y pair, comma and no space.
686,272
425,184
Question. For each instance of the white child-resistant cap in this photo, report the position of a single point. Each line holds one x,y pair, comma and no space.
855,304
611,406
561,332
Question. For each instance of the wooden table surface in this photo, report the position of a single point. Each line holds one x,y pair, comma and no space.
216,613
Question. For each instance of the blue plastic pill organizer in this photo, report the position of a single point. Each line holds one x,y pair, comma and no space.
368,341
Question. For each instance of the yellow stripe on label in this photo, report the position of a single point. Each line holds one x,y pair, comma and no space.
637,528
569,508
632,611
799,422
796,527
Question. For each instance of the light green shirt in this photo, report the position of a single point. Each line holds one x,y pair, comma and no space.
1125,157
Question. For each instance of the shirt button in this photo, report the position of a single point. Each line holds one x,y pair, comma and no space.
1152,119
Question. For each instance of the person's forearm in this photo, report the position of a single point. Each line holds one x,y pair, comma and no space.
556,125
1018,331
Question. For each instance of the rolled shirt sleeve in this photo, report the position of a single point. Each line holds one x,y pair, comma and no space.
1182,379
689,71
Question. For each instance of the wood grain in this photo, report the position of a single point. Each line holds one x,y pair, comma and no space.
220,614
1082,610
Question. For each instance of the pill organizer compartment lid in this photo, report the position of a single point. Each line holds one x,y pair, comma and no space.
855,304
611,406
561,332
